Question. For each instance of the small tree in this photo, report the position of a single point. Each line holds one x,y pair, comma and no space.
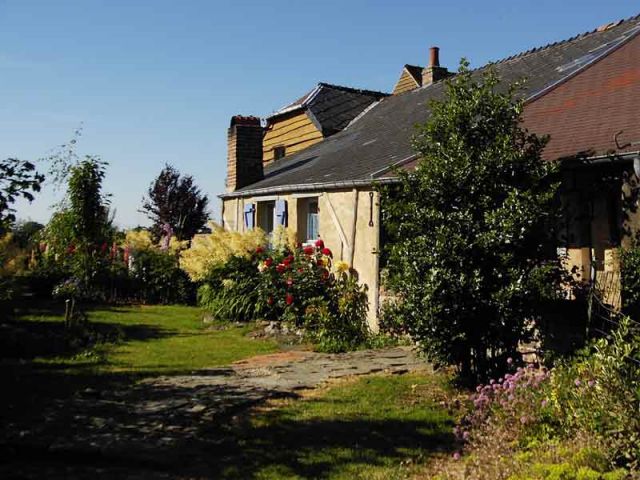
18,179
175,201
80,232
470,232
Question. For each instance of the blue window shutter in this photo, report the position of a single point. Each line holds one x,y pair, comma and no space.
280,213
249,215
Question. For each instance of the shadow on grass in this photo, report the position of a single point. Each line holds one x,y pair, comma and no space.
324,447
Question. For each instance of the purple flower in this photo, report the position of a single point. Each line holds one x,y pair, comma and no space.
465,436
577,382
523,420
456,456
544,403
591,383
509,361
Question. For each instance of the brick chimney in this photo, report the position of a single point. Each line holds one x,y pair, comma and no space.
433,72
244,156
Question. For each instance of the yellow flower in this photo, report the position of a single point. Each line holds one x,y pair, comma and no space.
341,266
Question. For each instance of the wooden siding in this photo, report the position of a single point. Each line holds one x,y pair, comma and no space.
295,132
405,83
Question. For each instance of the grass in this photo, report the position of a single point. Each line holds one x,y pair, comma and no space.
150,340
154,340
379,427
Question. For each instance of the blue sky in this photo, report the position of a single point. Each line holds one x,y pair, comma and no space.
157,81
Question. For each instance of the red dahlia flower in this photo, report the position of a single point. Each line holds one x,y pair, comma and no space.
320,243
327,252
289,299
286,261
270,301
308,250
259,250
280,268
268,262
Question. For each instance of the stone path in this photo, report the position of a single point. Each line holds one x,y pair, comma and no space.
150,423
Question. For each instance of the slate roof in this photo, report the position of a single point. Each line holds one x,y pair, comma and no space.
331,107
381,136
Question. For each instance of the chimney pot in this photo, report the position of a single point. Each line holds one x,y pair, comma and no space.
434,57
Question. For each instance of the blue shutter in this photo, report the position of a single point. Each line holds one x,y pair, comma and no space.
280,213
249,216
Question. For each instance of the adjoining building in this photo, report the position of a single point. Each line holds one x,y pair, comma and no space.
584,92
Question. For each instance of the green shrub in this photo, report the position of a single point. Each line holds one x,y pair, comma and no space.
229,291
630,279
157,278
470,250
304,288
299,287
338,323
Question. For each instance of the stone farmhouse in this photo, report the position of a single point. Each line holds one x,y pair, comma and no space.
315,164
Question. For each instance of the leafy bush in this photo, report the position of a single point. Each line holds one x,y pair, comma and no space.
157,278
469,232
630,279
229,291
302,288
297,286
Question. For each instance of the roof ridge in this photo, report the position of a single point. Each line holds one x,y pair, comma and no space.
354,90
567,40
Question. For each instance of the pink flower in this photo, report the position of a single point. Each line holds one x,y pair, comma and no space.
577,382
456,456
544,403
591,383
509,361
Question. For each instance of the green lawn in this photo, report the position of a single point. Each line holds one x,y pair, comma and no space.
38,367
154,340
379,427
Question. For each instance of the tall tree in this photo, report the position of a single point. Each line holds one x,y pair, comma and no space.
18,179
175,204
471,248
81,229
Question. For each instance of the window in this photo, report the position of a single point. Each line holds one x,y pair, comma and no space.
308,219
265,216
279,152
313,224
271,213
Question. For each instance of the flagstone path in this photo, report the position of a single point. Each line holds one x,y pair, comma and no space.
152,424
